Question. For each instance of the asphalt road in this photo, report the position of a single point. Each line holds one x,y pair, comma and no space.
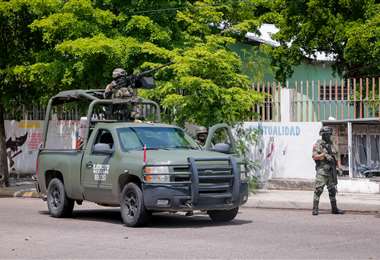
27,231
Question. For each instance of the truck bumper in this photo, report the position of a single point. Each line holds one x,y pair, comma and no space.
178,198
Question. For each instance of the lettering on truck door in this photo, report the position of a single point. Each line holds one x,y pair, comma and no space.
96,166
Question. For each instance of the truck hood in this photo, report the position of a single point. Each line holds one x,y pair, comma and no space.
178,156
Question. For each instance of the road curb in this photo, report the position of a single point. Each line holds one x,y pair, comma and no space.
28,193
297,205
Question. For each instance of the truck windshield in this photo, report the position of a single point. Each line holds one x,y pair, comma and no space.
134,138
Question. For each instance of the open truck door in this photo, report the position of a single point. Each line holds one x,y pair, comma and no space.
220,139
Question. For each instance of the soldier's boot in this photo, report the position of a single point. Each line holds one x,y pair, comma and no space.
334,208
315,207
317,194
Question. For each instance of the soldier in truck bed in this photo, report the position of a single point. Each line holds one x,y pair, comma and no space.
113,89
324,156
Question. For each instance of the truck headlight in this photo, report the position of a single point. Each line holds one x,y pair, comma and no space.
157,174
243,173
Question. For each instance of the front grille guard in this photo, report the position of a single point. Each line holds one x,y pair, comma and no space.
195,194
194,182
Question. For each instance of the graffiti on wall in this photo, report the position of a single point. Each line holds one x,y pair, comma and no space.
25,137
13,146
283,150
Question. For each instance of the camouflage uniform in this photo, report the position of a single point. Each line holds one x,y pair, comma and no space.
114,89
324,155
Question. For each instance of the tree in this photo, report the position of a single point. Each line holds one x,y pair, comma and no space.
58,45
347,30
18,47
205,86
193,34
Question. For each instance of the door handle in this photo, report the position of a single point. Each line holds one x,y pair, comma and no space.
89,165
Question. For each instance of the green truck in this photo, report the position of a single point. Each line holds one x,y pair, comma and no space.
142,167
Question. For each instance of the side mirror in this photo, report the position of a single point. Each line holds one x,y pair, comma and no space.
222,148
102,148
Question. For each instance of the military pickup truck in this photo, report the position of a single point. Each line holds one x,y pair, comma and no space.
142,167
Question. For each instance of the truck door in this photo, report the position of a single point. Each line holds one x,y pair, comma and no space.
220,139
96,167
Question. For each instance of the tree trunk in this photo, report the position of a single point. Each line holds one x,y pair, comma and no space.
4,174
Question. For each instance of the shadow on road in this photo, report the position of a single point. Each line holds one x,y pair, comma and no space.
103,215
165,220
159,220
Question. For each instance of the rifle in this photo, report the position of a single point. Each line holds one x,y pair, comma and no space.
333,164
140,80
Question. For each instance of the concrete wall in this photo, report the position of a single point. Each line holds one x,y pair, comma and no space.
24,139
284,150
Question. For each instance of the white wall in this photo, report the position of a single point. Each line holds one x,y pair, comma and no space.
284,150
62,134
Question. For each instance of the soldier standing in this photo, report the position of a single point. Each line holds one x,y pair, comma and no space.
324,156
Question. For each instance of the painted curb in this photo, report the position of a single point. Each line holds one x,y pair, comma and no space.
26,194
29,193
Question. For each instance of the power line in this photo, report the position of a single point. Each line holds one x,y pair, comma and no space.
178,8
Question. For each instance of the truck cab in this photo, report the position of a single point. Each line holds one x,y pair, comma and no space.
141,166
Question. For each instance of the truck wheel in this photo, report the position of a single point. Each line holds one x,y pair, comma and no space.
223,215
59,204
133,211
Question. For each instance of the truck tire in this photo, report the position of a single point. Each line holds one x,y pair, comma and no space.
58,203
223,215
132,208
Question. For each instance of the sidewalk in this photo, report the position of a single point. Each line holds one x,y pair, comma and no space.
286,199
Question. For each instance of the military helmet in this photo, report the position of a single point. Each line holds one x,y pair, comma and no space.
118,72
202,130
326,130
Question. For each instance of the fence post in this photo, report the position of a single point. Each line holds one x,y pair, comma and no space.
319,101
312,101
342,99
336,99
330,98
296,100
302,101
361,98
354,93
366,107
269,98
348,99
279,88
307,100
373,98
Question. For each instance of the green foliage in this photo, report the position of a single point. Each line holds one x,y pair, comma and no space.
245,139
77,44
348,30
145,29
206,86
77,18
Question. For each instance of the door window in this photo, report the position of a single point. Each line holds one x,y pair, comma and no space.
104,137
221,136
